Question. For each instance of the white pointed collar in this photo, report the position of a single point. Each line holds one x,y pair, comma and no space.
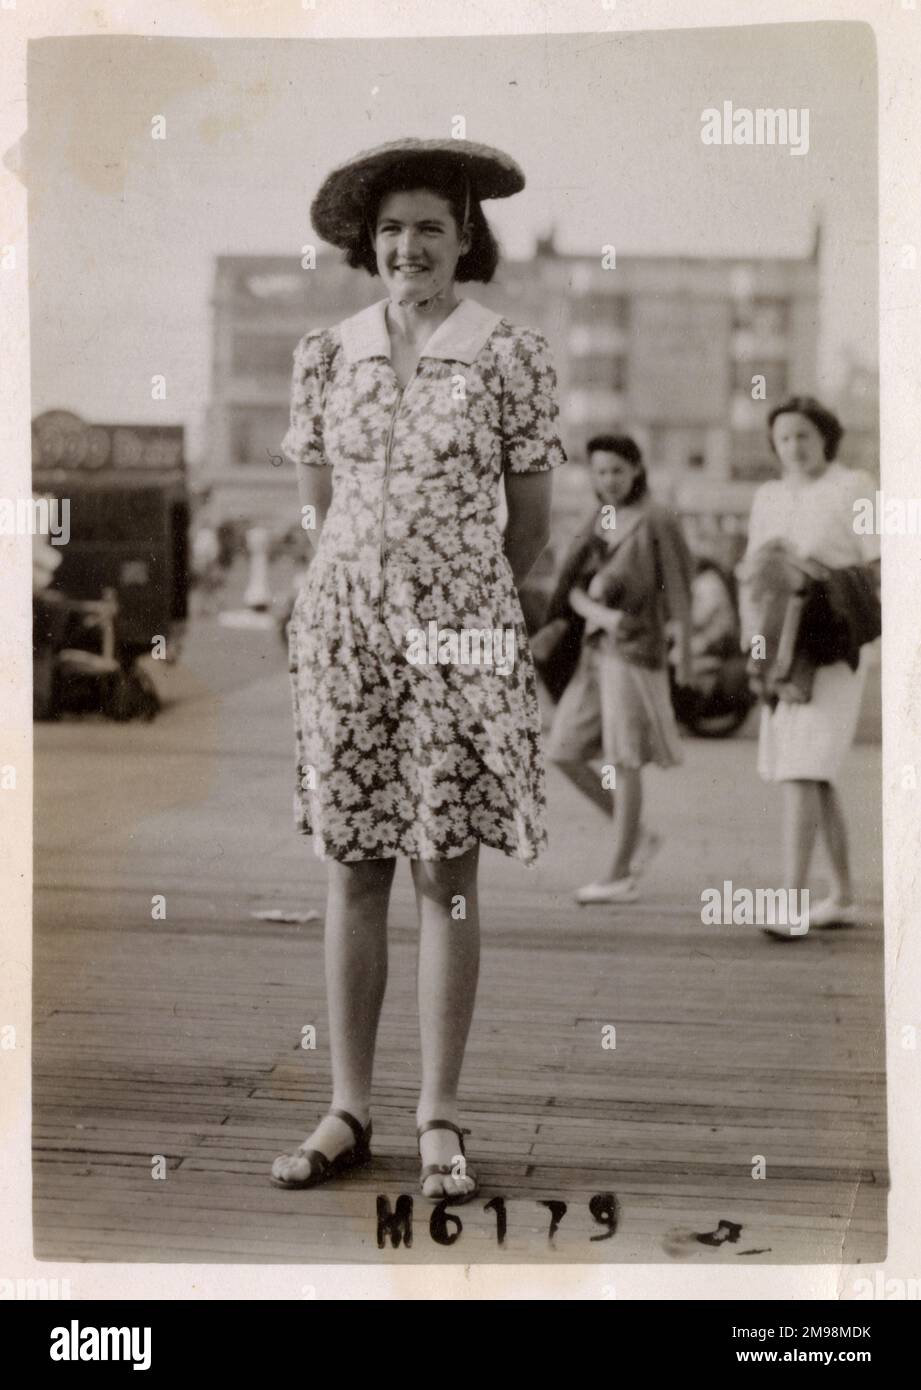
459,338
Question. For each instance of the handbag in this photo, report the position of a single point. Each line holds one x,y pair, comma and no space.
557,644
555,650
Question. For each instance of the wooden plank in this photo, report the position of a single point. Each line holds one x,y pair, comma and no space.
183,1038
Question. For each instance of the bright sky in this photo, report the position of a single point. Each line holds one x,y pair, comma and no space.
124,228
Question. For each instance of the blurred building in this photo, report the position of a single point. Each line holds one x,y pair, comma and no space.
685,353
857,405
261,306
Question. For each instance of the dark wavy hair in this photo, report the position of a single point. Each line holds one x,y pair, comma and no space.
445,180
627,448
825,421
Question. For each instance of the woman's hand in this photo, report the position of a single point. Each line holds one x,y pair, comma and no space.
681,651
596,615
578,602
812,568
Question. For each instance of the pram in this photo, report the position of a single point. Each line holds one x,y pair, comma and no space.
78,666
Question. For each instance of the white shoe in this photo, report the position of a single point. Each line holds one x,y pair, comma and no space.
830,913
621,890
785,933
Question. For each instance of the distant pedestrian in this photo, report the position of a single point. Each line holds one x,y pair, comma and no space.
617,702
809,511
206,575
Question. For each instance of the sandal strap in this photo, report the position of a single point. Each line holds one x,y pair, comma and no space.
318,1161
361,1134
430,1170
443,1124
445,1170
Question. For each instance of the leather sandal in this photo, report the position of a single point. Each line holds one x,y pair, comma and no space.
323,1168
445,1169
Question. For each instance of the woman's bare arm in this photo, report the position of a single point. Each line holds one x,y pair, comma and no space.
315,487
527,497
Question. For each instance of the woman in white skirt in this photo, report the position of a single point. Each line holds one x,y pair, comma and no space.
811,508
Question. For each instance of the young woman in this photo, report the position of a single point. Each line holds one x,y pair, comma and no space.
811,509
404,419
619,695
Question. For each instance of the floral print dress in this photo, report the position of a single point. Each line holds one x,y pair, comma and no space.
398,755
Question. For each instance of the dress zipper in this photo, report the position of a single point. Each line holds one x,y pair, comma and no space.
393,420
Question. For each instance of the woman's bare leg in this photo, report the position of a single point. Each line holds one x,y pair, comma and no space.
834,833
449,961
356,975
628,808
800,825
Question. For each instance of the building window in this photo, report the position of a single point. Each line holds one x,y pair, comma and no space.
594,408
605,305
598,370
256,433
601,338
275,285
766,318
261,355
589,279
751,457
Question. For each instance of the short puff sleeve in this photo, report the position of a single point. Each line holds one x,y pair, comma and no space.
530,438
303,441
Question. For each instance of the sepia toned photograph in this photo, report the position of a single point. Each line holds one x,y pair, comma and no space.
456,532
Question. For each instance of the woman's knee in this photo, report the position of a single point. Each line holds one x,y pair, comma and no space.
363,882
441,880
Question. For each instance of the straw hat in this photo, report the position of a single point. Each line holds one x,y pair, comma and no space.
340,208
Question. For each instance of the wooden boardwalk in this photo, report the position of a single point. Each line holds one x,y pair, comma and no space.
179,1040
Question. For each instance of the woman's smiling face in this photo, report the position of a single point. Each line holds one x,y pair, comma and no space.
417,244
614,476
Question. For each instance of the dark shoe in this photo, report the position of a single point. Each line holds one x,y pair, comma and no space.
445,1169
323,1168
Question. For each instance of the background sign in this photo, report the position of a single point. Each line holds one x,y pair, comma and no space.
62,440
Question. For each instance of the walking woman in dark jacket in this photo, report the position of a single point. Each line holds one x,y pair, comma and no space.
617,701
